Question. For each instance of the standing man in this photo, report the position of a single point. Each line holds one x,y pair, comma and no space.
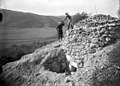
60,30
1,69
69,21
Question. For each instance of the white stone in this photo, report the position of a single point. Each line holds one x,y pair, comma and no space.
94,40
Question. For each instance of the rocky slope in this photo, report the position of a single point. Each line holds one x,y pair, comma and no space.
94,43
40,68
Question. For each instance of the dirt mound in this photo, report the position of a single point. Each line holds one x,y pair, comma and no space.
46,66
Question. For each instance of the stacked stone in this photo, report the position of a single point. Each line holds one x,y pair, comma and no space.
90,35
97,20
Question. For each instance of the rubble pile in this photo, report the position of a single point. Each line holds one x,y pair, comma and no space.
97,20
93,45
91,35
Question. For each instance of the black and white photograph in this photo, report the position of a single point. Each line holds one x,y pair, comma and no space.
59,42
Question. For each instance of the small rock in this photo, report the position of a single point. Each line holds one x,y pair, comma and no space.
110,28
93,45
48,84
94,40
71,84
92,51
104,35
84,34
101,44
68,79
89,41
106,32
107,39
102,30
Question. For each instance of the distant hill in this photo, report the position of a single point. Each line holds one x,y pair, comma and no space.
27,20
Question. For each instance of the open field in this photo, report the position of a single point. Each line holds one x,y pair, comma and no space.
14,43
18,36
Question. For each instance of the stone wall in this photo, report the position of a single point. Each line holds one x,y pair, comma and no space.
95,43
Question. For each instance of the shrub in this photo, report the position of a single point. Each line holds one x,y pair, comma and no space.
79,16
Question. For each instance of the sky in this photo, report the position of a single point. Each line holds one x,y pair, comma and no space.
59,7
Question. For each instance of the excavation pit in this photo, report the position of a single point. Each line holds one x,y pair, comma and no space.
56,62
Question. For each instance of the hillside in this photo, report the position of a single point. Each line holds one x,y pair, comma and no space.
93,44
27,20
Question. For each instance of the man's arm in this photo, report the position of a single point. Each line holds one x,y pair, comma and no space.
65,18
57,27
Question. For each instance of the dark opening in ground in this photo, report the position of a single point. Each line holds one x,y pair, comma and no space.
2,82
56,63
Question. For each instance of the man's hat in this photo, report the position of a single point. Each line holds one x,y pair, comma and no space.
66,13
